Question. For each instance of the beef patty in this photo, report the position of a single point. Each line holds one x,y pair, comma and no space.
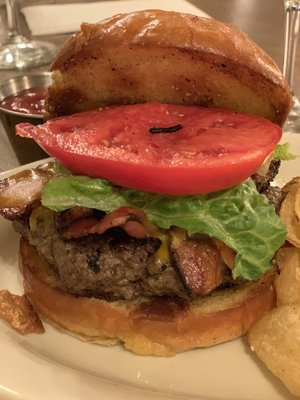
112,265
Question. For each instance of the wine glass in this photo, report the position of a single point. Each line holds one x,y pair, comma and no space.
19,52
292,21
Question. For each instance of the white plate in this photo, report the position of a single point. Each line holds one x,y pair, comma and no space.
56,365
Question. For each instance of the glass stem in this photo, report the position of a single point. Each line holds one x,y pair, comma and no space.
12,22
292,16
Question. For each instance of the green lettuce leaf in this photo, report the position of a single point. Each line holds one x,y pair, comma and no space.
282,152
240,217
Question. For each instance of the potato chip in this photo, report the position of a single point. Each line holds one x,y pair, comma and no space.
276,337
290,211
276,341
19,313
297,207
292,186
287,283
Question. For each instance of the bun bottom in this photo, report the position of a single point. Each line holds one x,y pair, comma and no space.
147,327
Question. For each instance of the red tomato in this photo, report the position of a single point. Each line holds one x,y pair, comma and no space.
204,150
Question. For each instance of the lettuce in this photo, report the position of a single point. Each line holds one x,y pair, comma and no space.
282,152
240,216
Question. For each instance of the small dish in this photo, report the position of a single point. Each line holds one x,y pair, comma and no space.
19,85
26,150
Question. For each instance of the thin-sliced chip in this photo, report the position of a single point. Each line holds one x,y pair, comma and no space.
19,313
276,341
287,283
289,214
292,185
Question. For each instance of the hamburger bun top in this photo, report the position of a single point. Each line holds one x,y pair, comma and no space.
169,57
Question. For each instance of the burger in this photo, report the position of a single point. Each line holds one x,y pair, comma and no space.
155,224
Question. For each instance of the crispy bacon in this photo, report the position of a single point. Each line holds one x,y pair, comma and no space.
66,218
21,191
132,220
199,264
227,254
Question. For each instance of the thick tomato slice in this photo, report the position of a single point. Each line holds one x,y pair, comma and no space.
160,148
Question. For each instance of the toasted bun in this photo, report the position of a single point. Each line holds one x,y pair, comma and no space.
168,57
148,327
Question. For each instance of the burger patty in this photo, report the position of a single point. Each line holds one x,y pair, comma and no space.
112,265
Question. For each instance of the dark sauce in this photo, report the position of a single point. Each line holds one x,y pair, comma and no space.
29,101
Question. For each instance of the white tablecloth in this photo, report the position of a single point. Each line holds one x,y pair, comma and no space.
66,18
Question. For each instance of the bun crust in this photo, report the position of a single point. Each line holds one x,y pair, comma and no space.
146,327
169,57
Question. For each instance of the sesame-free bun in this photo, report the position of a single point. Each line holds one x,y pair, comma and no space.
149,327
164,56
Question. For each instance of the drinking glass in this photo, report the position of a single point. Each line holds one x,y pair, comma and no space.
292,20
19,52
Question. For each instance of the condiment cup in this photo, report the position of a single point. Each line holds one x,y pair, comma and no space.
26,149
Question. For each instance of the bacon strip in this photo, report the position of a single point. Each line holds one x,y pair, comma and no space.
132,220
227,254
22,190
199,264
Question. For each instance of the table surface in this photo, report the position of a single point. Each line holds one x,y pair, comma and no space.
263,21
